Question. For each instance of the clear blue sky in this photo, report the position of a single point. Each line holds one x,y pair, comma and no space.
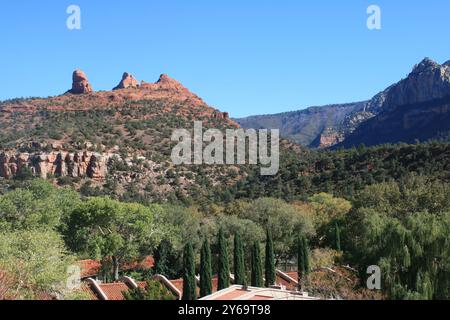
245,57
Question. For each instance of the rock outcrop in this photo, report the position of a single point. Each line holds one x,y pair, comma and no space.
165,83
428,81
80,83
128,81
426,88
416,108
58,164
221,115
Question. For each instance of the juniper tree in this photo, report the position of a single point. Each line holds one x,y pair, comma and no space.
223,265
205,270
189,281
239,265
269,261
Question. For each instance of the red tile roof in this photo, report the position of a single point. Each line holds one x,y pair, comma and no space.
290,282
145,264
215,284
86,289
178,284
232,295
91,268
237,292
114,291
293,275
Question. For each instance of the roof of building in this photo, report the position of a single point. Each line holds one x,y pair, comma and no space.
87,289
287,279
238,292
284,289
91,268
114,291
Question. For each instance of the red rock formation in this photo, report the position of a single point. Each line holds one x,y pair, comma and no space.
80,83
165,83
329,138
168,89
59,164
221,115
128,81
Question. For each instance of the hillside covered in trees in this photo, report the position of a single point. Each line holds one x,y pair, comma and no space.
387,206
90,177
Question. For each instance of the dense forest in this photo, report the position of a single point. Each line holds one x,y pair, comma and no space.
387,206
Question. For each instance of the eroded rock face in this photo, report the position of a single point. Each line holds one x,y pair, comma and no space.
221,115
165,83
80,83
58,164
128,81
428,81
329,138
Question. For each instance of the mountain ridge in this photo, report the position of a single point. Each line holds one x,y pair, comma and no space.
426,82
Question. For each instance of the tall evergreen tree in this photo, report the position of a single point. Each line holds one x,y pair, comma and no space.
306,256
269,261
205,270
257,276
162,258
300,258
239,265
223,265
303,257
189,281
337,237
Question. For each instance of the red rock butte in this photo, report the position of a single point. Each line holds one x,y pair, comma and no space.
82,97
80,83
128,81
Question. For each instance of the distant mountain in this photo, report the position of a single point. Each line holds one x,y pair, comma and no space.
306,126
416,108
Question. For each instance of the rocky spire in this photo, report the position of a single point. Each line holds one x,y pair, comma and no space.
80,83
128,81
168,83
424,65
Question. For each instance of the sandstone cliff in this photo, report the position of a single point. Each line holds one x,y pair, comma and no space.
80,83
128,81
58,164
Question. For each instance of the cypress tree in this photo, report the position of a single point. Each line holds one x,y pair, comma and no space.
303,257
189,282
224,267
337,237
162,258
239,265
257,277
306,255
300,258
205,270
269,261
